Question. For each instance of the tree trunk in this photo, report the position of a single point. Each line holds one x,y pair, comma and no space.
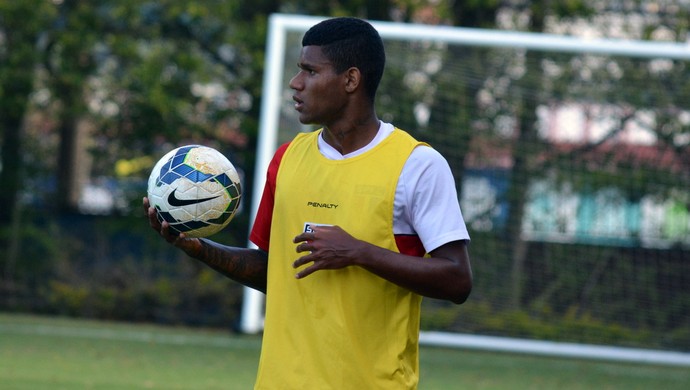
526,145
16,85
68,193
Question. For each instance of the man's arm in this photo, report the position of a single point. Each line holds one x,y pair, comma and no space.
447,274
243,265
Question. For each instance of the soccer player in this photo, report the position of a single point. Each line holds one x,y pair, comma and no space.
357,222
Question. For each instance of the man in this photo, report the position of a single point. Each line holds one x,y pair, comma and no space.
357,222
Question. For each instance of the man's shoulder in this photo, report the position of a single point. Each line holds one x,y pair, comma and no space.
425,161
280,152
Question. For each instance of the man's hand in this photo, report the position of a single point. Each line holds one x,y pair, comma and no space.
191,246
444,274
329,247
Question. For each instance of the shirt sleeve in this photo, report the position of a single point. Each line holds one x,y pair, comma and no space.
432,201
261,230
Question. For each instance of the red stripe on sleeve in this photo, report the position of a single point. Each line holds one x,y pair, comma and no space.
410,245
261,231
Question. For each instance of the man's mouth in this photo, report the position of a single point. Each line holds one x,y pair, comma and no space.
298,103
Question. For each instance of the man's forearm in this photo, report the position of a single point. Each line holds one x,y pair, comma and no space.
243,265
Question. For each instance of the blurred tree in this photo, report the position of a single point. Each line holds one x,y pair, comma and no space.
21,26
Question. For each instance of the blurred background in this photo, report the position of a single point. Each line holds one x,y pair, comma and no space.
573,169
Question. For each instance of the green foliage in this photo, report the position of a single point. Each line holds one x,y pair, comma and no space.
481,318
124,272
70,299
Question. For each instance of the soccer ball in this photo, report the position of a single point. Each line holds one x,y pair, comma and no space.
196,189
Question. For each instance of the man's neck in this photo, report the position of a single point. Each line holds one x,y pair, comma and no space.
347,139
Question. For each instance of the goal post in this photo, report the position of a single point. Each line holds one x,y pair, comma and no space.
587,216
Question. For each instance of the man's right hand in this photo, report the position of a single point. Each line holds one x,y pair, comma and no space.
191,246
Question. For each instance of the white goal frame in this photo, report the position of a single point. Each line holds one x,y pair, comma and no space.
273,83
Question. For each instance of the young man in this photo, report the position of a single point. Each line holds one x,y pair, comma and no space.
357,222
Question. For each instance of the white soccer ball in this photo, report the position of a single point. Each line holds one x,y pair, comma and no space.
196,189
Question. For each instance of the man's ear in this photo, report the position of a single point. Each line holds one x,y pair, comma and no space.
353,79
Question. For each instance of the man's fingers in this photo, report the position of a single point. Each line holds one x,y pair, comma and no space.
302,237
302,261
306,271
306,246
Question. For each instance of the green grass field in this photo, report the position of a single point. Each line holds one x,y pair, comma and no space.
56,353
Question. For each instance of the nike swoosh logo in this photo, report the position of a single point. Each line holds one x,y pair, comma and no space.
174,201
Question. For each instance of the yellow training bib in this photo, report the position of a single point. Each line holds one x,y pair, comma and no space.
347,328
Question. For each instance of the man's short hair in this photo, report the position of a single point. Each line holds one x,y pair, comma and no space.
350,42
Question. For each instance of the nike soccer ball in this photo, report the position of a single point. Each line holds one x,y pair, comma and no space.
196,189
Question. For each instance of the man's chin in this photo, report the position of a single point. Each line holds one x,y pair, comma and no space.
305,120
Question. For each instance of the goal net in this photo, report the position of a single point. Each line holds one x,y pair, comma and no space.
572,162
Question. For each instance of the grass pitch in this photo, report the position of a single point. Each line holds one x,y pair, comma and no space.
55,353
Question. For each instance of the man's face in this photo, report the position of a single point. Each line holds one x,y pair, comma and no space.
319,92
